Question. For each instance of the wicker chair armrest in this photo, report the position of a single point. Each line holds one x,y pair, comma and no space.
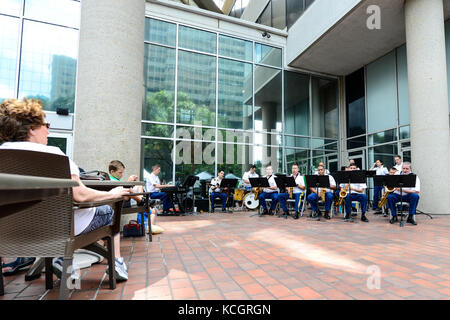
91,204
139,194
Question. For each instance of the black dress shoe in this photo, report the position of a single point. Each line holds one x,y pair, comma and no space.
271,212
348,218
411,220
227,211
327,215
364,218
393,219
265,211
211,211
296,215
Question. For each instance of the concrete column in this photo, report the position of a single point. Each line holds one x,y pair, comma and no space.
428,101
110,87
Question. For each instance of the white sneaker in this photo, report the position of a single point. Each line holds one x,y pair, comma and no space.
120,270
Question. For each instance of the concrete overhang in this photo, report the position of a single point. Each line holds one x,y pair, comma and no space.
349,44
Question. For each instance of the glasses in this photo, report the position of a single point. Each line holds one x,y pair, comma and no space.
47,124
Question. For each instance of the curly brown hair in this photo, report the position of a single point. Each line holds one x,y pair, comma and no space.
17,117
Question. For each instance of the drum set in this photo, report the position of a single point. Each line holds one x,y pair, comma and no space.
248,198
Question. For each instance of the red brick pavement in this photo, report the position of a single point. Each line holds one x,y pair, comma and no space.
235,256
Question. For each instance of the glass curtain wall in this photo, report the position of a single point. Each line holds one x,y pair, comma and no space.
215,102
283,13
38,52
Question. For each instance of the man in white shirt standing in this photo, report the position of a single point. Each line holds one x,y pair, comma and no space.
314,197
398,164
357,194
154,185
410,195
249,174
381,171
269,193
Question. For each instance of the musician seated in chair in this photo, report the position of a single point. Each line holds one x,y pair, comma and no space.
269,193
410,195
357,194
154,185
314,197
299,189
216,192
249,174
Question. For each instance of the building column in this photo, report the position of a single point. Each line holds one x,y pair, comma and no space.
110,90
428,102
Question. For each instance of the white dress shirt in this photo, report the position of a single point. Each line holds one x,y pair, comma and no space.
248,175
299,180
151,182
272,183
416,188
215,182
332,184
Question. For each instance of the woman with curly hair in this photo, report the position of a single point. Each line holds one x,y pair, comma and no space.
23,126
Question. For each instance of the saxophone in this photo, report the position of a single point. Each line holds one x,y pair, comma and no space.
323,193
257,191
342,195
383,200
290,190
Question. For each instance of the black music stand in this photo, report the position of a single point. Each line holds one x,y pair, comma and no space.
349,177
259,183
401,181
188,183
315,181
370,173
231,185
284,182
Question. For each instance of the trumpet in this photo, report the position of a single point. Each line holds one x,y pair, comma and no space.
383,200
343,194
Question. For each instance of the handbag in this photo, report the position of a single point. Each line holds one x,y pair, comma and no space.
94,175
132,229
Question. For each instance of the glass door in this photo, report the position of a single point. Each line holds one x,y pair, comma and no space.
62,140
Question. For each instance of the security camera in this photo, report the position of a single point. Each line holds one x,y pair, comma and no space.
265,34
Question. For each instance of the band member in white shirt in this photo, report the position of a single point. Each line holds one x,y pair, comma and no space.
249,174
323,165
381,171
410,195
357,194
216,192
154,185
398,164
269,193
314,197
299,189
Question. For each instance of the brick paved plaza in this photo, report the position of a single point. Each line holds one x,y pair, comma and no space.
235,256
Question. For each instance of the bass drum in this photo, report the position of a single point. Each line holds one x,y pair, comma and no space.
250,202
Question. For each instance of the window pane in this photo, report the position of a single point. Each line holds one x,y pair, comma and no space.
297,142
160,32
404,133
234,159
382,137
356,142
235,136
279,14
11,7
295,9
402,80
194,158
325,119
195,39
235,48
355,93
381,94
265,17
157,130
235,95
196,133
58,142
385,153
9,38
49,64
296,103
301,157
267,55
265,155
159,83
267,99
196,89
64,12
157,151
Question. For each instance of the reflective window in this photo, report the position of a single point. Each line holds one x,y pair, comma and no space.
157,130
381,94
385,153
195,39
236,136
233,158
158,151
159,76
297,142
404,133
196,89
382,137
267,55
9,39
63,12
265,155
49,64
235,95
279,14
267,139
11,7
160,32
301,157
196,133
61,143
325,118
356,142
296,103
235,48
194,158
268,99
355,93
266,16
